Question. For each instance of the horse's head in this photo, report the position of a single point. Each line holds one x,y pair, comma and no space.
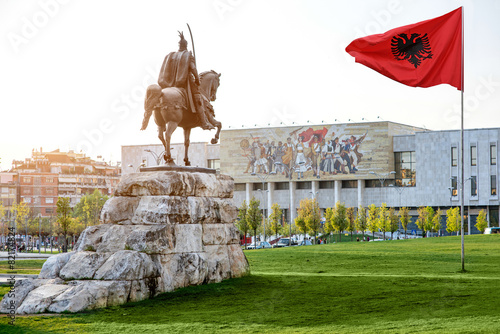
209,82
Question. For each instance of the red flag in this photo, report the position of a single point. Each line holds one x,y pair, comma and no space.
423,54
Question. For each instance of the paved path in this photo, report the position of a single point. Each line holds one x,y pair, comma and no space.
26,256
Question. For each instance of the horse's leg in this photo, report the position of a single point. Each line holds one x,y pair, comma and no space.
187,133
215,140
217,124
171,126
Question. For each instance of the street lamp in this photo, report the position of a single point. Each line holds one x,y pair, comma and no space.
313,194
382,177
263,179
263,210
156,156
39,233
141,165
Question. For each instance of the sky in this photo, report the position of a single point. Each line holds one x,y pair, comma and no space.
73,73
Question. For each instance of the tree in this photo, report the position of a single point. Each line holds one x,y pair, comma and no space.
340,219
275,220
308,216
88,209
5,227
481,221
351,226
313,219
242,222
453,220
404,218
254,217
422,219
383,219
429,219
329,218
361,220
393,221
436,221
22,211
371,221
63,218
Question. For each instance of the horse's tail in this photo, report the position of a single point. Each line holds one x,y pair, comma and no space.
152,100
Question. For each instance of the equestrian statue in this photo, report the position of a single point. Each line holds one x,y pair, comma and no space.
181,99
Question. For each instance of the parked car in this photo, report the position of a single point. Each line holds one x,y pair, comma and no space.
492,230
259,245
284,242
305,243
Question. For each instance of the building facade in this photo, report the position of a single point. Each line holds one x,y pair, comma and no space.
45,176
357,164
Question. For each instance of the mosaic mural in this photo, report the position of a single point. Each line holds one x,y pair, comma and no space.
320,152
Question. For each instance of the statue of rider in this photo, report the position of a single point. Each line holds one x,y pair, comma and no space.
179,70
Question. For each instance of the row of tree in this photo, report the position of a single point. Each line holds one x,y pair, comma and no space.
342,219
68,221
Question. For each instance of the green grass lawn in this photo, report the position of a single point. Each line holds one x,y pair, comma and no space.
22,266
400,286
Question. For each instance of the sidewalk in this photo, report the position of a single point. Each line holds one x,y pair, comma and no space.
25,256
4,278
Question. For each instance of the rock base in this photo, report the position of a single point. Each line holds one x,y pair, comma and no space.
161,231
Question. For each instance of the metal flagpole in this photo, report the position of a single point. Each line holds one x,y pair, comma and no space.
462,151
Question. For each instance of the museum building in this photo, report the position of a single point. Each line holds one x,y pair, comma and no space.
354,163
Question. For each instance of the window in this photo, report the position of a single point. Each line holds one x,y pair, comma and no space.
49,180
281,186
27,179
326,184
258,186
473,186
473,155
493,182
240,187
5,190
49,211
454,157
49,200
213,163
454,191
493,154
304,185
49,191
372,184
349,184
405,169
26,191
27,199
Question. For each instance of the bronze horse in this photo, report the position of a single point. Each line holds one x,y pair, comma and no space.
171,109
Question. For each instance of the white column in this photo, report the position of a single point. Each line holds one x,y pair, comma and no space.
361,191
248,192
488,214
292,185
270,197
338,186
315,188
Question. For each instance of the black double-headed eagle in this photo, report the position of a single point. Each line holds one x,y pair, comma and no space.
414,48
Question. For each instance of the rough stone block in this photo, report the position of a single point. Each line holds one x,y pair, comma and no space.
127,265
214,234
218,265
238,261
53,265
188,238
119,209
175,184
83,265
39,299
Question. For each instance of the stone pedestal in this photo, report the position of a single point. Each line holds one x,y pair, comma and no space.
161,231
